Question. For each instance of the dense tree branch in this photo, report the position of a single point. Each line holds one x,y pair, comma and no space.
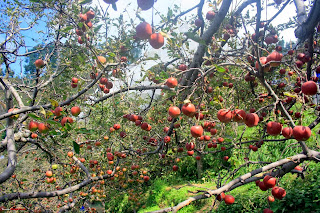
307,24
286,164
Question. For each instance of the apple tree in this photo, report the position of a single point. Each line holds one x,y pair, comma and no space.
99,98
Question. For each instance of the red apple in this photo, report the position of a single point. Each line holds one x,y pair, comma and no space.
43,128
182,67
269,181
39,63
309,88
252,119
33,126
75,111
174,111
145,4
278,192
210,15
229,199
196,131
172,82
301,133
287,132
274,128
188,109
143,30
65,120
239,115
156,40
225,115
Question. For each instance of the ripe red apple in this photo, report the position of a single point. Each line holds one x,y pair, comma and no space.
198,22
287,132
83,17
123,134
190,153
145,4
309,88
188,109
182,67
263,62
57,111
282,71
74,80
189,146
33,126
65,120
299,64
39,63
239,115
278,192
269,181
274,58
156,40
167,139
262,186
196,131
90,14
143,30
274,128
109,85
75,111
213,131
103,80
172,82
270,199
43,128
79,32
229,199
225,115
175,168
174,111
49,173
89,24
116,126
269,210
301,133
252,119
221,196
210,15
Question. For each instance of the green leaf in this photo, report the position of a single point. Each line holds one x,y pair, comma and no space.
67,29
67,126
52,122
76,147
114,6
96,29
85,1
220,69
195,38
34,116
54,132
111,54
